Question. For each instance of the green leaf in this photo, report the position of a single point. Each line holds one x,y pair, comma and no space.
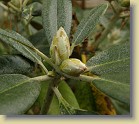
54,107
67,94
21,44
67,109
17,93
15,36
88,24
56,13
113,68
64,11
64,106
15,64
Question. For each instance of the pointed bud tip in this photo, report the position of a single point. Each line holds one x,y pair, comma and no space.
60,47
61,28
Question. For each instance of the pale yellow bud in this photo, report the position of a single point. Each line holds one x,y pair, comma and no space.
73,67
60,47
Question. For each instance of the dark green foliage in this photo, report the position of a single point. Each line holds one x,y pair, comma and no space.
99,39
113,68
15,64
17,93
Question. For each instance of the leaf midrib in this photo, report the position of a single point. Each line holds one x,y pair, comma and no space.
8,34
91,67
24,45
90,17
114,82
28,50
19,84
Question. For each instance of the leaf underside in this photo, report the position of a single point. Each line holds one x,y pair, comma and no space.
17,93
20,43
56,13
15,64
113,68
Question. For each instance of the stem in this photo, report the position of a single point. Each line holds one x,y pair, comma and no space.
13,7
52,88
41,78
114,10
49,97
43,67
3,6
29,20
26,27
84,78
58,94
125,15
25,2
6,8
20,5
81,77
72,48
48,60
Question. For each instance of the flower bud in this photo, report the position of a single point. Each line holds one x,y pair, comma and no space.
60,47
73,67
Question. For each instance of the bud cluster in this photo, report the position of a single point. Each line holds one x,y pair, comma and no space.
60,52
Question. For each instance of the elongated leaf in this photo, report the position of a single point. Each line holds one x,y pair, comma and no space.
54,107
64,11
113,68
17,93
88,24
20,43
15,36
56,13
67,94
49,14
15,64
64,106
